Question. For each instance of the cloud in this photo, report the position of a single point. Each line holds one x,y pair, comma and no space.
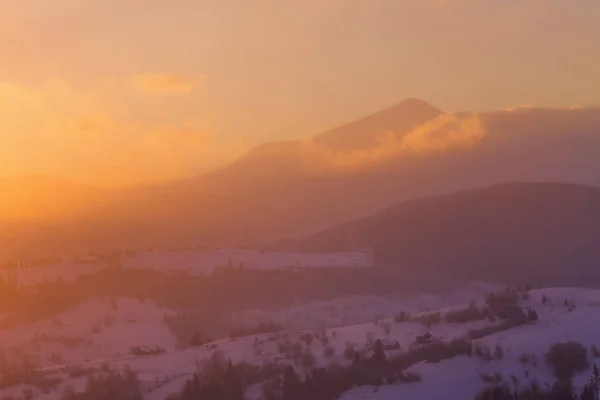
445,133
98,137
165,83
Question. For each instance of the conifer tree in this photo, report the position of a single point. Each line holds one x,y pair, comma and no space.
378,357
594,383
291,387
234,386
356,358
587,393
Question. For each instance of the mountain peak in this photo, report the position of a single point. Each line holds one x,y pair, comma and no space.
364,133
414,102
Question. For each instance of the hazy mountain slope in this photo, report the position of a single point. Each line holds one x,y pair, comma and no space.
308,188
514,232
292,189
275,163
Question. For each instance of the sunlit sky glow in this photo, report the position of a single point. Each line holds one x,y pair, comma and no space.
87,87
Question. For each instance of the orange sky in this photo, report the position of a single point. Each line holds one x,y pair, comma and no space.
112,91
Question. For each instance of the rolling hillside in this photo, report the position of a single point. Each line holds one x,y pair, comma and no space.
516,232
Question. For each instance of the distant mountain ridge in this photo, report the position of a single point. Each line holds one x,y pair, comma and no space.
296,188
280,159
539,232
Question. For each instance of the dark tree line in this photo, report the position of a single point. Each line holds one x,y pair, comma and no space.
110,385
378,369
220,386
252,288
218,383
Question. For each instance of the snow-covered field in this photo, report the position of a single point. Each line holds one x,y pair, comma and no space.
137,323
206,261
460,378
192,261
103,331
353,310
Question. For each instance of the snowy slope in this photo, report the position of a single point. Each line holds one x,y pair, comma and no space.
192,261
132,322
93,330
460,378
101,332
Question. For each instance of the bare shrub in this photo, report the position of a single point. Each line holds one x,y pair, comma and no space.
514,314
260,328
387,327
429,318
285,347
307,338
297,350
216,364
498,352
349,351
566,359
502,299
108,320
329,351
370,337
77,371
492,379
96,329
145,351
483,352
402,317
489,330
409,377
308,359
528,358
468,314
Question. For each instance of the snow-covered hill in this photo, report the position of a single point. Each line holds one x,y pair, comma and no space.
102,332
524,351
190,261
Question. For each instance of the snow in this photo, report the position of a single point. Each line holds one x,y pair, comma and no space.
192,261
132,322
206,261
93,330
102,331
352,310
460,378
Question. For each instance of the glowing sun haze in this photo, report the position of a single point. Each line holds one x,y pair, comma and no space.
119,92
